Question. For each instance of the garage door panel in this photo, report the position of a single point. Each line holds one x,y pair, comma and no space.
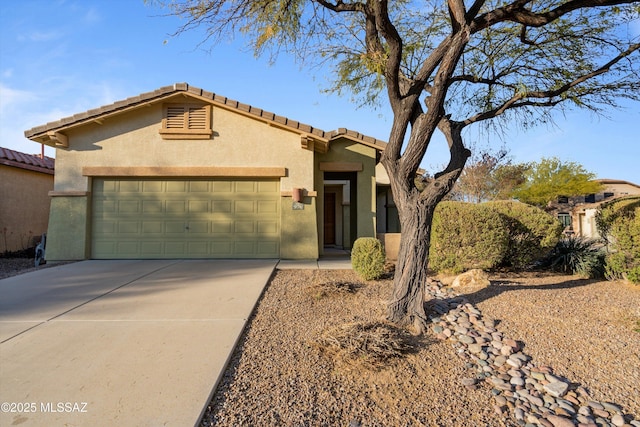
185,218
221,226
128,227
152,248
245,187
244,206
130,187
152,227
268,187
175,207
174,227
244,227
221,206
152,186
152,206
199,187
267,228
176,186
199,206
222,187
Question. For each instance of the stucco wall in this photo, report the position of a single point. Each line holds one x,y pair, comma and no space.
132,140
238,141
24,207
343,152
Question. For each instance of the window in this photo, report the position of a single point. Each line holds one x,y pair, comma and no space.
186,121
590,198
565,219
563,199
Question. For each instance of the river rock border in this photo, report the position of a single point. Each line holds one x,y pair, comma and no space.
531,395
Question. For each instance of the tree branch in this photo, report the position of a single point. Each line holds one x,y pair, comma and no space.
551,93
516,12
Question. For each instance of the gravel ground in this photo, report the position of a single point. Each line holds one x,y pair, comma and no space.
14,266
280,376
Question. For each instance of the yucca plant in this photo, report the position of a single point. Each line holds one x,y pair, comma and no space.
577,255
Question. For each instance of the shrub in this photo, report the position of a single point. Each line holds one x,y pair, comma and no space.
619,223
367,258
533,233
466,236
577,255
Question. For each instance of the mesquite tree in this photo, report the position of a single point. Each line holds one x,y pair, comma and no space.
443,65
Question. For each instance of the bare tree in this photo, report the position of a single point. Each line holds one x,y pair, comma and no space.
443,66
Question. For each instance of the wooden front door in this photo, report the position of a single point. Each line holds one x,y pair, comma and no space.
329,218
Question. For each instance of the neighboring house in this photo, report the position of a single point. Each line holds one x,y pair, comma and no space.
185,173
578,214
25,182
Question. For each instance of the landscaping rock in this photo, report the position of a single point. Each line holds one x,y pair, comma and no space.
475,278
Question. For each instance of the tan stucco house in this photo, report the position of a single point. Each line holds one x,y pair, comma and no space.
578,214
25,181
185,173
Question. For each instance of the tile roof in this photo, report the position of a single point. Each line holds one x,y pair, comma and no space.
26,161
167,91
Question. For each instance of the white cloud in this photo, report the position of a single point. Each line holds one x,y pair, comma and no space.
39,36
10,99
91,16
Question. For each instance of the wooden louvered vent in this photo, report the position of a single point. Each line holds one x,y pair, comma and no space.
186,121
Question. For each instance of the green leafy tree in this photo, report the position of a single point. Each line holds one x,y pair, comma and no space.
441,66
550,178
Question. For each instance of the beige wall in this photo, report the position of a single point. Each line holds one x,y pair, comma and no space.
622,189
24,207
132,140
238,141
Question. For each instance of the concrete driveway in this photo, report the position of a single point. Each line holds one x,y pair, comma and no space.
129,343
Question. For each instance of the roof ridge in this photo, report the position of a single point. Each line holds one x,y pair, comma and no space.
219,99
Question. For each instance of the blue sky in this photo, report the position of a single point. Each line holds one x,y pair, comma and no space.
61,57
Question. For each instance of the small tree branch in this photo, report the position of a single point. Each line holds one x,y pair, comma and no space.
550,94
516,12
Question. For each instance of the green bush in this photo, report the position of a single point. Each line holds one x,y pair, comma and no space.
466,236
619,223
533,233
577,255
368,257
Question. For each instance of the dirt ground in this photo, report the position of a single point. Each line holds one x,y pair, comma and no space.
280,375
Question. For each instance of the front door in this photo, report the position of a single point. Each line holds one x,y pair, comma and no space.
329,218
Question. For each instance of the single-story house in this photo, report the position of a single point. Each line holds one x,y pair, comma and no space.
185,173
25,181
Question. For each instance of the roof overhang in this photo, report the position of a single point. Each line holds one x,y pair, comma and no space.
54,134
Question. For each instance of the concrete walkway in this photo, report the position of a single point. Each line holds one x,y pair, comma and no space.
333,263
128,343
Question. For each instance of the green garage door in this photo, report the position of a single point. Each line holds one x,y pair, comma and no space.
160,218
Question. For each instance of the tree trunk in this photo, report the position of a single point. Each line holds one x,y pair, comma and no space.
415,209
407,305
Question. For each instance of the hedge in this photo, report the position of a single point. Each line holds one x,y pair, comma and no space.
533,233
466,236
619,223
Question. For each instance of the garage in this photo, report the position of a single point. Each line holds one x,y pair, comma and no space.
185,218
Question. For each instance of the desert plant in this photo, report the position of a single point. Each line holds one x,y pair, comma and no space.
466,236
533,233
577,255
368,257
619,223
